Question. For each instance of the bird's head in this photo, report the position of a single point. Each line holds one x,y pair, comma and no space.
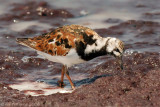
116,48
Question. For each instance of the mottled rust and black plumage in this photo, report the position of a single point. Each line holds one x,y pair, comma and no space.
73,44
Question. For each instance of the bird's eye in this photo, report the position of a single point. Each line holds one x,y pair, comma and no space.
117,50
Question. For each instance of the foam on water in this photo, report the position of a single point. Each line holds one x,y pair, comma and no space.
21,26
129,52
41,82
36,88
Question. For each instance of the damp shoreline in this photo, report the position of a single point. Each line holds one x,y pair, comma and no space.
28,79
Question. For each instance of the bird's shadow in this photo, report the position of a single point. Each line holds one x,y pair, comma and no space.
89,80
77,83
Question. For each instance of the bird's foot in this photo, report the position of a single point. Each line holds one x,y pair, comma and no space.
73,87
61,84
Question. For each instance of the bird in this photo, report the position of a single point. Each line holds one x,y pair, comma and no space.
73,44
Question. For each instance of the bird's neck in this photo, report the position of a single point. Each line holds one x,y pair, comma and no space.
96,49
97,46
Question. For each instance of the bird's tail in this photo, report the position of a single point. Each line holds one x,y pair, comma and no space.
21,40
26,42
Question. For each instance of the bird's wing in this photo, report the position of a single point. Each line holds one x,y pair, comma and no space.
56,42
60,41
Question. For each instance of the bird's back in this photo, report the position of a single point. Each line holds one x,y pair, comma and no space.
61,40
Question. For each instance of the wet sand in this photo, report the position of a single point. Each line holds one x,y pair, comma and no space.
28,79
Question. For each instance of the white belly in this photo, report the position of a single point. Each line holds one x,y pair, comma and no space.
70,59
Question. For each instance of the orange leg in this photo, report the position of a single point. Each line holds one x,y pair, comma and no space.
60,83
62,73
67,75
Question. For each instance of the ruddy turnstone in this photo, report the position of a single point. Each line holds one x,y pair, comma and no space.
73,44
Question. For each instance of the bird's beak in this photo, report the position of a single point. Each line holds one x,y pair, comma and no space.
120,61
